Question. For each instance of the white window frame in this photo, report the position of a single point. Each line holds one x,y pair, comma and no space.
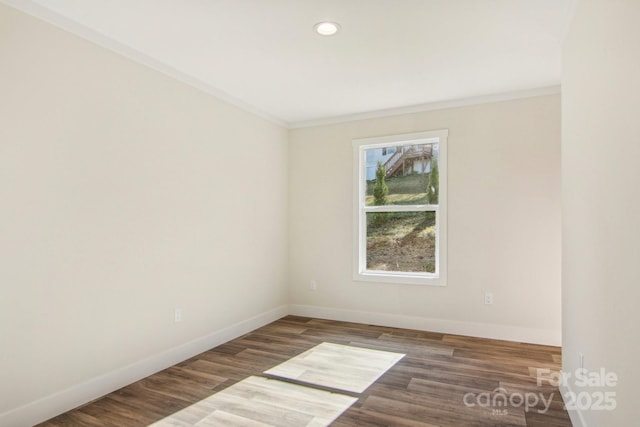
360,272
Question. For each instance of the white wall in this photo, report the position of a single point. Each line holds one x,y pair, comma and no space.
601,201
504,223
123,195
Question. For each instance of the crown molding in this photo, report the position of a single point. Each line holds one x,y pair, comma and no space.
87,33
462,102
135,55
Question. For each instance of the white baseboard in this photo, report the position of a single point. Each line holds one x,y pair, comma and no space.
65,400
577,419
482,330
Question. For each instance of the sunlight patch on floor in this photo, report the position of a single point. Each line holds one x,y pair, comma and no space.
265,402
336,366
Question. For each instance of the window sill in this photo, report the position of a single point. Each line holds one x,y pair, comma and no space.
399,278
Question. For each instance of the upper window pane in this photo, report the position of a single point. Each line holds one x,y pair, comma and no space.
407,174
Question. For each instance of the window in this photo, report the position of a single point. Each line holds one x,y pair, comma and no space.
400,217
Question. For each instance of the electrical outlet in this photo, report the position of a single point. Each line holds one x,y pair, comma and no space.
313,285
488,298
177,315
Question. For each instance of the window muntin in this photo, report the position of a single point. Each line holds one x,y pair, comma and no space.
401,237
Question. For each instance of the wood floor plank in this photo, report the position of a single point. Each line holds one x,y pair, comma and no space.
434,411
426,388
357,417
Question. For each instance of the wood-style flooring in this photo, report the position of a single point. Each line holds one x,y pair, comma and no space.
427,387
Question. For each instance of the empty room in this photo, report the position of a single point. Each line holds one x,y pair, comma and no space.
319,212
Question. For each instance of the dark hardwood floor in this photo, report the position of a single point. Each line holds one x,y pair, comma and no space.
428,387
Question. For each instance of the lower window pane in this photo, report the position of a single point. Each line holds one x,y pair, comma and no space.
401,241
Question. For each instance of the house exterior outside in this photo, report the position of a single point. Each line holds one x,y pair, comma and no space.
400,161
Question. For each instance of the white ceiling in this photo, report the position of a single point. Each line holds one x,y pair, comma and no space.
264,56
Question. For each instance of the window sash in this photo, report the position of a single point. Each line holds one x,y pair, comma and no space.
362,253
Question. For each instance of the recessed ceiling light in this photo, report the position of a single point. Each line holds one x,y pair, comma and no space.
326,28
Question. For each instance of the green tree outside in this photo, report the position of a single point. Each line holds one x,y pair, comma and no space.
380,191
434,183
433,188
